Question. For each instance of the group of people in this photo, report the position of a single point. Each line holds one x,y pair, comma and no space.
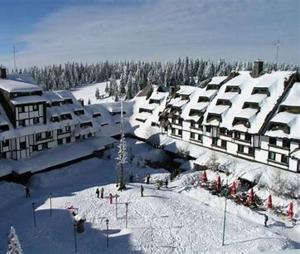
100,193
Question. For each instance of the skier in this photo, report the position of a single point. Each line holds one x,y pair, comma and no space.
97,192
148,179
110,198
27,191
266,220
102,192
166,182
142,191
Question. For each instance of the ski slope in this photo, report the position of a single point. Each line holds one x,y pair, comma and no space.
88,92
168,220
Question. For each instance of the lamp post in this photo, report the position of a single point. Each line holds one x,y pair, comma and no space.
50,200
33,214
225,210
107,221
126,216
116,205
75,236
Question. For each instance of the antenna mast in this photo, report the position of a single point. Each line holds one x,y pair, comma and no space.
277,45
14,53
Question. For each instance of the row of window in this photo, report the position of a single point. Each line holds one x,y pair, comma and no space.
36,120
272,157
285,142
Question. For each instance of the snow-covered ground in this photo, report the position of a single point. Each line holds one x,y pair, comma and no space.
178,219
88,92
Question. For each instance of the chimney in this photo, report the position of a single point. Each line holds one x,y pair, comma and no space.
3,73
257,68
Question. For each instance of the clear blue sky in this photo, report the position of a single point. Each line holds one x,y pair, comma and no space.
57,31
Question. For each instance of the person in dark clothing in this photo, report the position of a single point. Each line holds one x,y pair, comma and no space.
102,192
142,191
97,193
148,179
27,192
166,183
266,220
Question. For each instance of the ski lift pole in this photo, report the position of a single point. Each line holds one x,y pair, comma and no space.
50,200
33,214
225,211
107,221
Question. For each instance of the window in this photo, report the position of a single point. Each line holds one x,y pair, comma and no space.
179,132
251,151
224,144
208,128
44,145
285,143
272,141
38,136
68,128
23,145
48,134
237,135
36,120
21,109
247,137
5,142
200,138
68,139
180,121
22,123
59,131
173,131
193,124
214,141
35,107
240,149
272,156
59,141
284,159
192,135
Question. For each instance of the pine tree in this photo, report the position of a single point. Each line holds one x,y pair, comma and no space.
14,246
121,160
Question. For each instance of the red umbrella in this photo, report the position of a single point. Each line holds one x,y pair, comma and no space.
251,196
218,183
291,210
204,177
233,189
270,204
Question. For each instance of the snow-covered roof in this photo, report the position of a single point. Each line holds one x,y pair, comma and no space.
17,86
186,90
292,120
157,96
247,113
219,109
217,80
293,98
274,81
51,96
28,99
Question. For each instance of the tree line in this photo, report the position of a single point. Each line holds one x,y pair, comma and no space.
134,76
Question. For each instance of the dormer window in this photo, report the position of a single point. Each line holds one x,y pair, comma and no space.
232,89
253,105
212,87
224,102
213,116
290,109
203,99
286,143
243,121
261,90
279,126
